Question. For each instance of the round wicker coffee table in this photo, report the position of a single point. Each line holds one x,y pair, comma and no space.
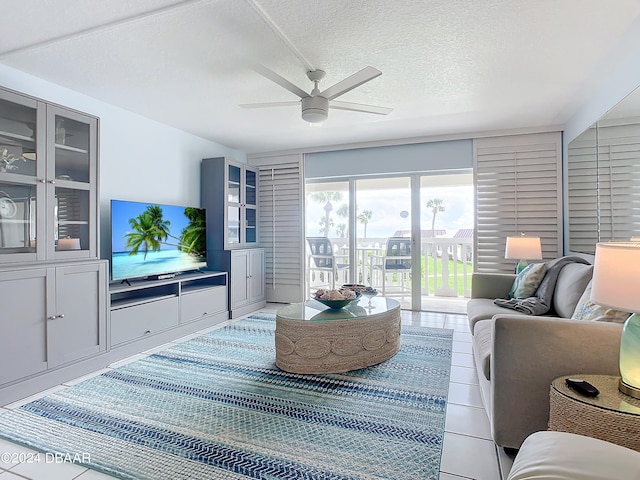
311,338
611,416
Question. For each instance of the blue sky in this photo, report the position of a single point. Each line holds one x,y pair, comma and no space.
387,205
122,211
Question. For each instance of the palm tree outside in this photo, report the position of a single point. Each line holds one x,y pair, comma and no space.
364,218
436,205
326,197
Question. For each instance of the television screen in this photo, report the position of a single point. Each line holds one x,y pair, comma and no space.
150,239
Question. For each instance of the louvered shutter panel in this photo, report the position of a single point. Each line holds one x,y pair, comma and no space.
582,185
281,226
518,190
619,181
604,189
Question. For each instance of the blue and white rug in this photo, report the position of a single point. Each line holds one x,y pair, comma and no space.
217,407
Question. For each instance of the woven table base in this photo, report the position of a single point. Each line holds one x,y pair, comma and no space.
581,415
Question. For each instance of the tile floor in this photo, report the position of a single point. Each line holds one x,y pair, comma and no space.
468,452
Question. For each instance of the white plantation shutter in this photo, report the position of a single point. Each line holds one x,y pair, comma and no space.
518,190
604,189
582,186
281,227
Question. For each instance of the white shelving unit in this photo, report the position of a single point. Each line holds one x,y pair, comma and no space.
146,313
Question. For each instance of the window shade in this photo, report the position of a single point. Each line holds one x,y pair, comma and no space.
518,190
280,226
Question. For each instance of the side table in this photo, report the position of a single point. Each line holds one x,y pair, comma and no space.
611,416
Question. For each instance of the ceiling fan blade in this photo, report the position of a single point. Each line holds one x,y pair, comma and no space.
269,104
359,107
349,83
283,82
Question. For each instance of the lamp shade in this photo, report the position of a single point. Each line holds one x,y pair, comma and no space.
523,247
615,285
616,271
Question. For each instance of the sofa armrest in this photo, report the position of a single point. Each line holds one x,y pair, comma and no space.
491,285
528,353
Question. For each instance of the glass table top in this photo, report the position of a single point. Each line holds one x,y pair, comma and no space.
610,398
318,312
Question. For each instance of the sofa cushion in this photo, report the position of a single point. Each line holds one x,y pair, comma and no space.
572,280
482,342
528,281
587,310
567,456
484,309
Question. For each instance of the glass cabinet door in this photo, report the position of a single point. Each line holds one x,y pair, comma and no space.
250,225
234,220
70,175
250,190
233,184
19,186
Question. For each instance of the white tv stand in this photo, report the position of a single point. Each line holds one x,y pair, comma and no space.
147,313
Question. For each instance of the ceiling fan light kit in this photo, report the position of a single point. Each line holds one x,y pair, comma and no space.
315,109
315,105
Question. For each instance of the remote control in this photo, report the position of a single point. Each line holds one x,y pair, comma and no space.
582,386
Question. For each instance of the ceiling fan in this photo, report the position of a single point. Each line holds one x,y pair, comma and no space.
315,105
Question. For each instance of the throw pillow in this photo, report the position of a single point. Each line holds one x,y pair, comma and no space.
587,310
528,281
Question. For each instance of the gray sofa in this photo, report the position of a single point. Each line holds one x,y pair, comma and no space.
518,355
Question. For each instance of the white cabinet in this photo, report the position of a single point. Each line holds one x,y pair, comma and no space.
48,181
144,309
247,281
229,192
77,319
51,316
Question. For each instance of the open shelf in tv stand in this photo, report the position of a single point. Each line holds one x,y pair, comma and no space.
145,313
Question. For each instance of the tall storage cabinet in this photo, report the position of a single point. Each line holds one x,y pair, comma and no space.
229,192
52,285
48,182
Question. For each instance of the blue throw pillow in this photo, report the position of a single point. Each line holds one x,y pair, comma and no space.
528,281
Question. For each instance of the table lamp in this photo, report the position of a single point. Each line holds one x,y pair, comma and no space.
523,248
615,285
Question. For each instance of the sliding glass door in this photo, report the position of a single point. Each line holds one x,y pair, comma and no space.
327,212
383,240
410,237
446,237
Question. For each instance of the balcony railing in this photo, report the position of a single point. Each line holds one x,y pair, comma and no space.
445,268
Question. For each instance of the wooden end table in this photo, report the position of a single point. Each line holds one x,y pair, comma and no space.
311,338
611,416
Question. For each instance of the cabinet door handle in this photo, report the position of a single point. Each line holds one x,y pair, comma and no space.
147,332
52,181
61,315
42,181
52,317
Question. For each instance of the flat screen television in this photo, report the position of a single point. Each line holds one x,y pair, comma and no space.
152,239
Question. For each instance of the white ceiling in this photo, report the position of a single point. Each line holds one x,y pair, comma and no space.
449,66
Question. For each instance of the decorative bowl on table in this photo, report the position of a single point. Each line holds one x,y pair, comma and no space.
356,287
336,299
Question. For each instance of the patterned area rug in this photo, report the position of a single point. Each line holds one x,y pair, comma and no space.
217,407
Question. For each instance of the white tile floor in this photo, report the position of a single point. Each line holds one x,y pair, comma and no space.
468,452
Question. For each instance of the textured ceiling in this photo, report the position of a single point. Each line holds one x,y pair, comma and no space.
448,66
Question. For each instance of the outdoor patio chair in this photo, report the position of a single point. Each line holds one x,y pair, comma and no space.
397,261
321,260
